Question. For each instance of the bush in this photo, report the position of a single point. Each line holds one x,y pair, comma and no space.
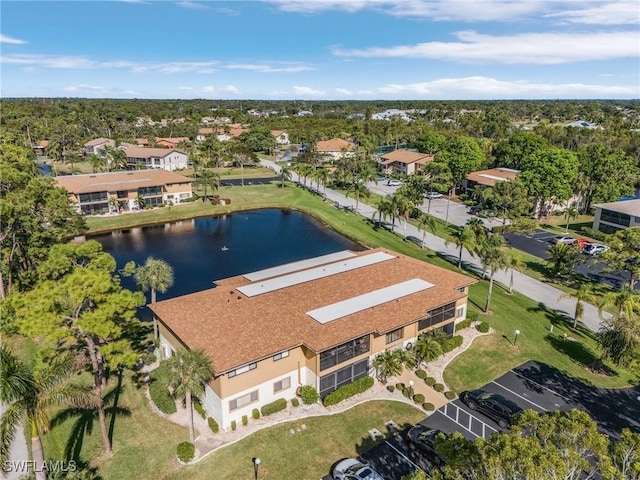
255,413
405,392
199,408
400,386
438,387
186,451
349,390
450,394
451,343
213,425
418,398
472,315
430,381
295,402
148,358
234,425
464,324
428,407
421,374
309,395
483,327
159,394
245,420
188,200
273,407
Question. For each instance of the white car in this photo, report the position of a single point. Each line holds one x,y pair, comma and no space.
433,195
565,240
394,183
595,249
353,469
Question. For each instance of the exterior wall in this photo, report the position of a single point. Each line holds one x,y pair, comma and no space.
607,226
282,139
174,161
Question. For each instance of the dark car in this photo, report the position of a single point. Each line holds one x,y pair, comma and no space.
423,439
498,408
475,209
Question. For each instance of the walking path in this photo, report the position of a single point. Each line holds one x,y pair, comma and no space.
547,296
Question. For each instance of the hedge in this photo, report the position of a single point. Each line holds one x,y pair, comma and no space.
451,343
245,420
349,390
400,386
418,398
309,395
430,381
483,327
464,324
199,408
450,394
213,425
186,451
295,402
429,407
255,413
472,315
159,393
421,374
273,407
438,387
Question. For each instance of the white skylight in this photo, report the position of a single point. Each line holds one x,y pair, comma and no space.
296,266
303,276
362,302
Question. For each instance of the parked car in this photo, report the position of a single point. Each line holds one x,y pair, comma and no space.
595,249
564,239
423,439
475,209
498,408
354,469
433,195
394,183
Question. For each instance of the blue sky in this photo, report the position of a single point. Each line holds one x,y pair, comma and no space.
321,49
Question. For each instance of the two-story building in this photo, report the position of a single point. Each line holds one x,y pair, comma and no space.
317,322
404,162
281,137
97,146
335,148
487,178
614,216
163,158
116,192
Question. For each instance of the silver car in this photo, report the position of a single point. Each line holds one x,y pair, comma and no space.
353,469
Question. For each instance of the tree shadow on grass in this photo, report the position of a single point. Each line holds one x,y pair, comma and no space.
579,354
559,318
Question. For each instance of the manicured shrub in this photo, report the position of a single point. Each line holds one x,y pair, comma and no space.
159,394
213,425
186,451
472,315
234,425
405,392
451,343
430,381
438,387
349,390
429,407
400,386
255,413
199,408
483,327
463,324
245,420
273,407
295,402
418,398
421,374
450,394
148,358
309,395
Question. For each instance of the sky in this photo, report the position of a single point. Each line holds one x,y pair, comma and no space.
321,49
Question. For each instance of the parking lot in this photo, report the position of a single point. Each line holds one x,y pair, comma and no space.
531,386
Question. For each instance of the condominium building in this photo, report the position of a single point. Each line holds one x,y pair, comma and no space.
317,322
404,162
614,216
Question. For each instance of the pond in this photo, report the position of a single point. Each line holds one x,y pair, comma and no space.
203,250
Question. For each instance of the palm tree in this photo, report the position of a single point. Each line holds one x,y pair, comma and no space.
359,190
426,222
493,257
188,370
562,257
403,207
208,179
155,275
582,294
515,264
387,364
285,174
29,396
626,302
465,237
570,213
426,349
384,210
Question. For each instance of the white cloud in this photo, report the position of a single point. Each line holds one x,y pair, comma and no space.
185,88
231,89
83,89
308,91
344,91
11,40
623,12
209,89
525,48
264,68
192,5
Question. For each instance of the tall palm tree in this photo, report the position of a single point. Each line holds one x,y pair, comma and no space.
570,213
29,396
403,208
155,275
582,294
387,364
208,179
426,349
626,302
188,370
426,222
359,190
562,258
384,210
493,258
285,174
465,237
515,264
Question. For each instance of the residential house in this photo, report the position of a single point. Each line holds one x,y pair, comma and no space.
317,322
281,136
97,146
487,178
203,133
164,158
614,216
171,142
335,148
116,192
40,148
404,162
227,133
582,124
391,113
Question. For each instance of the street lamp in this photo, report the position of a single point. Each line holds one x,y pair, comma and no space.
516,337
256,464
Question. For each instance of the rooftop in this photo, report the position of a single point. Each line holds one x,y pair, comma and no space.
405,156
222,319
630,207
146,152
493,175
99,182
334,145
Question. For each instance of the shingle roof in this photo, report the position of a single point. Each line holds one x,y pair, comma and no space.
405,156
235,330
630,207
146,152
99,141
114,181
334,145
493,175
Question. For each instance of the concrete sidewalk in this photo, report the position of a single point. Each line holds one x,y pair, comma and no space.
548,297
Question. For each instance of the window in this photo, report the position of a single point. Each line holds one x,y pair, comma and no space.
459,312
281,384
461,289
395,335
438,315
147,191
92,197
344,352
243,400
617,218
241,370
345,375
280,356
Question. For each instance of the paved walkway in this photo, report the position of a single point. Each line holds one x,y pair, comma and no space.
548,297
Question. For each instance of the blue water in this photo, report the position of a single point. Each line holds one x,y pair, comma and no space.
196,248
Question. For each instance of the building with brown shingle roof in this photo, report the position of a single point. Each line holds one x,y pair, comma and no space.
97,146
335,148
404,162
164,158
316,322
488,178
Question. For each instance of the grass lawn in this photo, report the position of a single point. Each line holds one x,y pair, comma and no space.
307,454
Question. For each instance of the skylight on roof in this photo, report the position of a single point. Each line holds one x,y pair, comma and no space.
372,299
308,275
300,265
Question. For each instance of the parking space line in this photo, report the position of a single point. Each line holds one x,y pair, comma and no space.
520,396
471,417
540,385
402,455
